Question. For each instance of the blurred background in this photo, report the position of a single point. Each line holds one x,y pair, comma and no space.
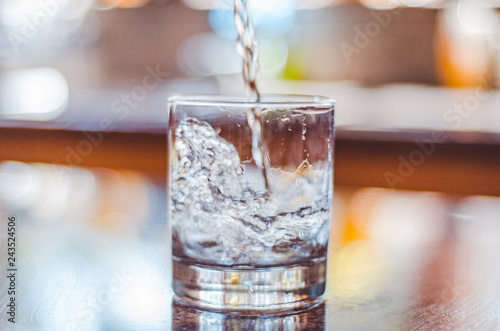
108,43
404,73
83,151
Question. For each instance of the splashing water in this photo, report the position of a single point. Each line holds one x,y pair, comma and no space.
221,216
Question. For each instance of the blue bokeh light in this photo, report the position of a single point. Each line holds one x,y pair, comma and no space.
270,18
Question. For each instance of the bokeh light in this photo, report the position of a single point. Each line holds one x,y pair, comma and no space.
417,3
31,23
474,18
109,4
208,54
33,94
465,33
379,4
200,4
270,18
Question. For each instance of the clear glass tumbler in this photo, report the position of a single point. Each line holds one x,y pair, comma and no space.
250,189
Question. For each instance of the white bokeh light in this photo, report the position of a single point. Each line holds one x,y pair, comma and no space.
33,94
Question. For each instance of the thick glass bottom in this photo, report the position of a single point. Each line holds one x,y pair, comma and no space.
250,290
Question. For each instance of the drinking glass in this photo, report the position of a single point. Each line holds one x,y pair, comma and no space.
250,189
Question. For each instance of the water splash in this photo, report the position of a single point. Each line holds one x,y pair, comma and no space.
220,215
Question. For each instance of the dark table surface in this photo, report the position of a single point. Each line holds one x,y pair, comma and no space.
92,253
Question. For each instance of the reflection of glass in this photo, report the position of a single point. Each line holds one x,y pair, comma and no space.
187,318
250,203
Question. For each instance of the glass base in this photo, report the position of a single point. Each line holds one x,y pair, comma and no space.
270,289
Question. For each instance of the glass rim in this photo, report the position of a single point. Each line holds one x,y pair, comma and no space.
273,100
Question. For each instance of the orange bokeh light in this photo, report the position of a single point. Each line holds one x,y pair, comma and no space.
126,3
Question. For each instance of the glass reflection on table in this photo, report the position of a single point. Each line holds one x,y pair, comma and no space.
185,317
